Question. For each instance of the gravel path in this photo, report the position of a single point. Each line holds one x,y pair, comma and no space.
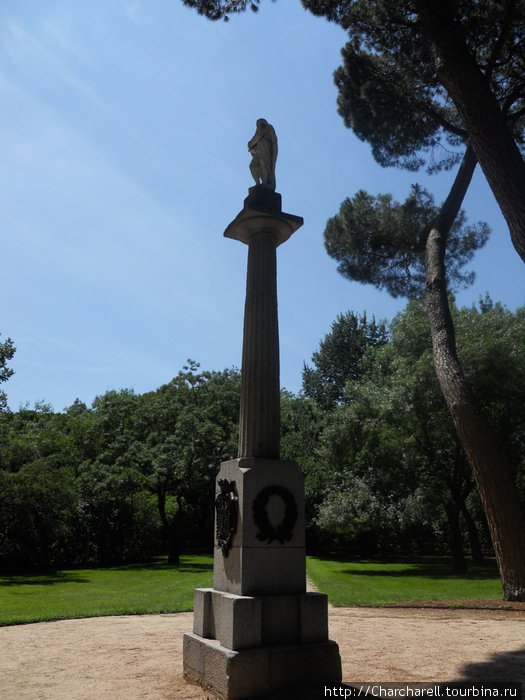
109,658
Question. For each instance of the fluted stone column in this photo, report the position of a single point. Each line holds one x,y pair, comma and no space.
259,417
263,227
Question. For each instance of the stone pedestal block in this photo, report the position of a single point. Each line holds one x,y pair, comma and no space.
264,647
244,622
265,673
267,555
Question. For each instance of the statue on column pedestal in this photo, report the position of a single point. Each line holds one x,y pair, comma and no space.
257,632
263,147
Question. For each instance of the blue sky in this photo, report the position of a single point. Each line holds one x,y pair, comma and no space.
123,133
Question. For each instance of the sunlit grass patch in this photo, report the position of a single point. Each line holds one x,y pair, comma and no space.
124,590
382,582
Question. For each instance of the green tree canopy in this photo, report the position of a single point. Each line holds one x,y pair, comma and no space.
118,482
390,469
7,351
340,355
390,89
382,242
419,77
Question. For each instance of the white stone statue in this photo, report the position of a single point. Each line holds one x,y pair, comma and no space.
263,147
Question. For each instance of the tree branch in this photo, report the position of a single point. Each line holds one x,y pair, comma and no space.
447,125
506,28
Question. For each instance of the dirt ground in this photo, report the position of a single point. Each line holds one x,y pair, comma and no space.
110,658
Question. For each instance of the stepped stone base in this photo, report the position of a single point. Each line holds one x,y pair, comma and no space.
243,622
260,646
265,673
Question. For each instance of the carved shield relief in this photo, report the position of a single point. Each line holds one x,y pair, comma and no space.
227,511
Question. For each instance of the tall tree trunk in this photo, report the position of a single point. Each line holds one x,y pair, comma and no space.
496,488
173,546
487,127
473,535
169,530
460,494
459,563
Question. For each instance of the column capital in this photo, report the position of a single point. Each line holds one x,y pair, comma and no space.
262,214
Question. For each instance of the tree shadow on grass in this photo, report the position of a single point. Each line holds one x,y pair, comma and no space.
162,565
47,579
425,572
194,568
431,567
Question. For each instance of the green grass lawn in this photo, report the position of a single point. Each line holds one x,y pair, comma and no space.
123,590
159,588
378,583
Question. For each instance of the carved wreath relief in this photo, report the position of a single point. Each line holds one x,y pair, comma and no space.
227,509
266,531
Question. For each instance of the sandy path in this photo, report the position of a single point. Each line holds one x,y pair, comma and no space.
110,658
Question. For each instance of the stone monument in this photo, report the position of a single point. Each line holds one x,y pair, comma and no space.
257,633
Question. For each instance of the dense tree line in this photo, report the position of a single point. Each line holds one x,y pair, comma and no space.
133,475
121,481
387,472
